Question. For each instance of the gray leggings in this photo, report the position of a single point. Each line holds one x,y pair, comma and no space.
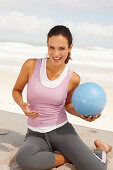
38,150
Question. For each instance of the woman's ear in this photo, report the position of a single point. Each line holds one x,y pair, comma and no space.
70,48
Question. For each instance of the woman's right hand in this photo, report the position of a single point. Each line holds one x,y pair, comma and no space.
28,112
90,118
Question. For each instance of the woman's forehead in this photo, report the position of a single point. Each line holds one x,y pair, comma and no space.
58,41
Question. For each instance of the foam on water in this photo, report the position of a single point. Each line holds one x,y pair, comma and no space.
85,60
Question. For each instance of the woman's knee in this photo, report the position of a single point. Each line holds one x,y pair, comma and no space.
42,160
21,157
25,154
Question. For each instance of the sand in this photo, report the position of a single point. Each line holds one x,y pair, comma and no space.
16,126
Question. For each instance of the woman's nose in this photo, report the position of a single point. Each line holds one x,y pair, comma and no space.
56,53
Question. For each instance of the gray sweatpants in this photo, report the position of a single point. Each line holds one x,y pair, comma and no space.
38,150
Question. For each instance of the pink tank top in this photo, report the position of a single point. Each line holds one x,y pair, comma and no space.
49,100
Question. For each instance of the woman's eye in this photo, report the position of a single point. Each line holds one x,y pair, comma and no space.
62,49
51,47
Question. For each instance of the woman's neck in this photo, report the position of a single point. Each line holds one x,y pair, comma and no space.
53,68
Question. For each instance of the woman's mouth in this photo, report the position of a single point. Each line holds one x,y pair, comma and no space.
56,58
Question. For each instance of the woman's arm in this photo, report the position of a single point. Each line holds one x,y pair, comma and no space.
19,86
20,83
74,83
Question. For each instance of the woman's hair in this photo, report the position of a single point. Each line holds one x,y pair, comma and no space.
64,31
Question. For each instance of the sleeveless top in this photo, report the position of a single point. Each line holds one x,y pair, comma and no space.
48,97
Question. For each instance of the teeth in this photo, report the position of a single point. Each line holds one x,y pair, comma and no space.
56,58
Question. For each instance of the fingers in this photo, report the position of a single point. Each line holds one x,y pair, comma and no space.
100,114
33,114
28,112
91,118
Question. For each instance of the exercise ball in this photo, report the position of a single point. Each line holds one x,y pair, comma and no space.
89,99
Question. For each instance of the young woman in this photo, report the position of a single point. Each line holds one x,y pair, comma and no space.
51,140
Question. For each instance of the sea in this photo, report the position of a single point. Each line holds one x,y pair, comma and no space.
91,63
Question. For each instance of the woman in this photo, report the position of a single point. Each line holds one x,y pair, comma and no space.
51,140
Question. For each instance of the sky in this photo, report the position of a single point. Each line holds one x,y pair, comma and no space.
90,21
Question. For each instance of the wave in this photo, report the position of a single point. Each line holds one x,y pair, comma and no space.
91,59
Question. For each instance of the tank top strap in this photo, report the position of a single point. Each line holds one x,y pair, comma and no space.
70,72
36,72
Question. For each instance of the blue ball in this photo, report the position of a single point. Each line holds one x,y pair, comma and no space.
89,99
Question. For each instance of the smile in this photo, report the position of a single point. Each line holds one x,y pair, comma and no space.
56,58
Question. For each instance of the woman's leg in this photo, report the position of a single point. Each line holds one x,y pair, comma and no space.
60,160
102,146
74,149
35,154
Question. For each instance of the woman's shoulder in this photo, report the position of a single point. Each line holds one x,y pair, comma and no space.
29,63
28,66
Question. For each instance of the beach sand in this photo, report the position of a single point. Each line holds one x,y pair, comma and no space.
16,126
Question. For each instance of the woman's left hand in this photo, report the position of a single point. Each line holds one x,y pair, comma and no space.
90,118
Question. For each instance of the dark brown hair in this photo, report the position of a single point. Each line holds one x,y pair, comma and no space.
64,31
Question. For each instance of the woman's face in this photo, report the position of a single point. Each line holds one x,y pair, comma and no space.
58,49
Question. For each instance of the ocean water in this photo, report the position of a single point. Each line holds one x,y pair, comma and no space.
91,63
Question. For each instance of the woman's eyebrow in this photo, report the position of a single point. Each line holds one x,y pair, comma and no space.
62,47
51,46
58,47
